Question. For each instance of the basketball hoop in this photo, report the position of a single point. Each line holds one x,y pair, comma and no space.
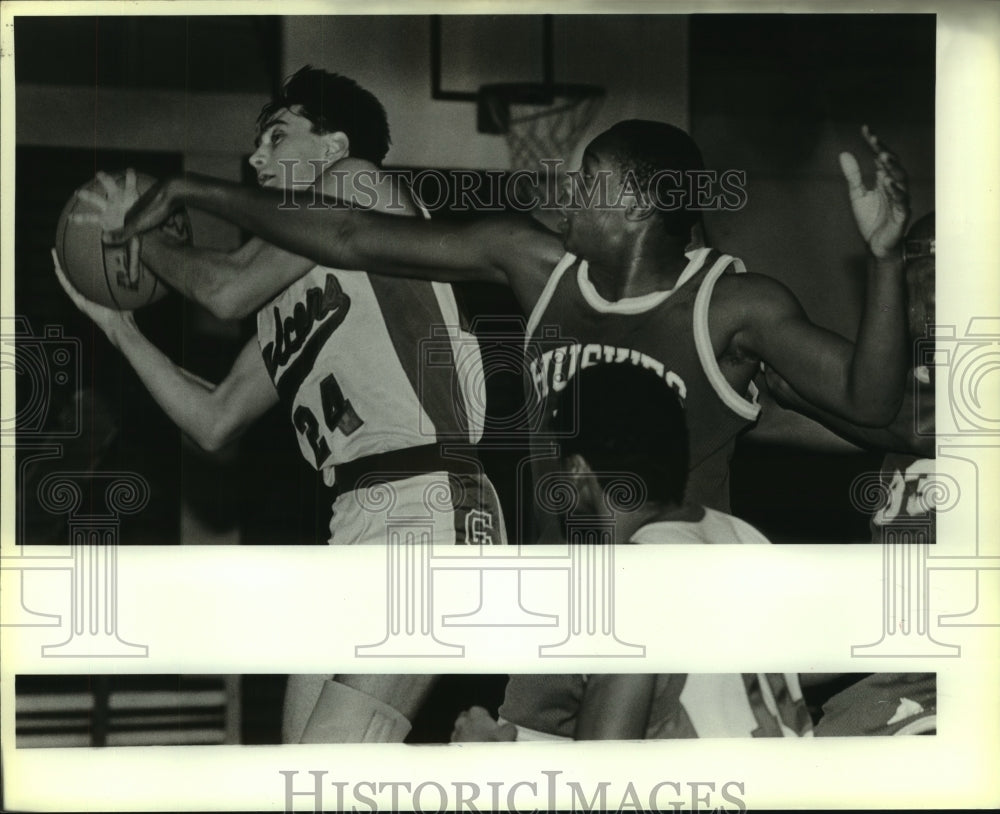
539,121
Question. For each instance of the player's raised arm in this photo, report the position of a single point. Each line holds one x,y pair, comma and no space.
860,381
910,432
499,249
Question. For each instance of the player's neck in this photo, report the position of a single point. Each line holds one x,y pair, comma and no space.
649,263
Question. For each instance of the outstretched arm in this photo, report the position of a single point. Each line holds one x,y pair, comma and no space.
861,381
499,249
229,284
213,415
911,431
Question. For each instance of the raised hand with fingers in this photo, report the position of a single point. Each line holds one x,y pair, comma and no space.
153,208
111,208
881,212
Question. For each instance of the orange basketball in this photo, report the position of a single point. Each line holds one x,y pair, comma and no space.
101,272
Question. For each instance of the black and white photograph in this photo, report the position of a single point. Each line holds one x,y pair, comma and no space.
122,710
455,374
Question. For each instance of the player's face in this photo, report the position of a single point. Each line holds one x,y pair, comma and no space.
289,154
592,226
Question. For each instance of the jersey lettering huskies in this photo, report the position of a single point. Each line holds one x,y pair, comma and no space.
666,331
367,367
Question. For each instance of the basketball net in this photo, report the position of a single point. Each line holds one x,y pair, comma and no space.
539,122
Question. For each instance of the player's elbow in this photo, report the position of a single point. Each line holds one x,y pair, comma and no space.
216,436
220,428
226,301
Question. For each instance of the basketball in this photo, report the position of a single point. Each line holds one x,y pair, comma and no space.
101,272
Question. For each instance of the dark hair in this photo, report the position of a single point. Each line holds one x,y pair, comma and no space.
625,418
647,148
334,103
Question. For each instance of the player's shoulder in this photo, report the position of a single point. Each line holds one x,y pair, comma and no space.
755,295
519,224
748,284
526,250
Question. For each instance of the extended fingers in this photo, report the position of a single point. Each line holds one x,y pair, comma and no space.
109,184
852,172
92,198
84,218
888,164
885,159
134,249
893,189
131,191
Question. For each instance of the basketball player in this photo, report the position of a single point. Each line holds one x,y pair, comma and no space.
618,286
342,351
643,435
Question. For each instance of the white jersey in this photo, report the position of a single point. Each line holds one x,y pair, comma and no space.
369,365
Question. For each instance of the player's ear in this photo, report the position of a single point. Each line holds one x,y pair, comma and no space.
338,145
639,209
633,199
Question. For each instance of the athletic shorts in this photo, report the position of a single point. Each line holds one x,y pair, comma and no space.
439,507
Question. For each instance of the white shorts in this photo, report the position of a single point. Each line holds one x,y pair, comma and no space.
440,507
